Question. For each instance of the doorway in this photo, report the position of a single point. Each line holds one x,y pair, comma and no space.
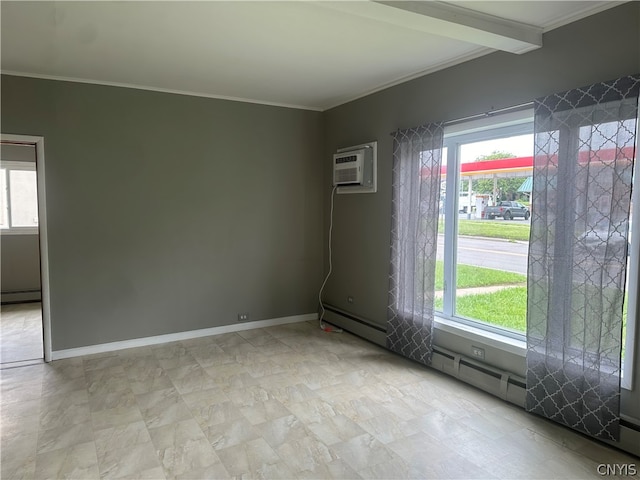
24,320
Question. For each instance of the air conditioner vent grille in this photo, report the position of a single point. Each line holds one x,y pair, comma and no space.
347,175
350,158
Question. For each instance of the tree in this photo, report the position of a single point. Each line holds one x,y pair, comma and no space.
495,155
507,187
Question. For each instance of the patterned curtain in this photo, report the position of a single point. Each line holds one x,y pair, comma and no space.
417,158
584,150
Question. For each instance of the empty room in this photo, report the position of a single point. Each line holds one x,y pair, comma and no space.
377,240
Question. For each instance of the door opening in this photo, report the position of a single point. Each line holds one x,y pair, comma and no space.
25,320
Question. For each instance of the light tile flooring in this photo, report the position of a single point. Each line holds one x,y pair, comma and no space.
20,333
281,402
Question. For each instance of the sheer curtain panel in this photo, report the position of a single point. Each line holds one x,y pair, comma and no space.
417,159
585,141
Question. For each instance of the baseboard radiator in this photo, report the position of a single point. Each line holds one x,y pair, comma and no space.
20,296
512,389
505,385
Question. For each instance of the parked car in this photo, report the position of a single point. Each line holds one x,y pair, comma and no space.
605,238
508,211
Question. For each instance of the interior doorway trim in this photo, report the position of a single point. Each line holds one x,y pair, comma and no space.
38,142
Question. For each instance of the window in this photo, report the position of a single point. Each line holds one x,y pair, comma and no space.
482,254
630,301
484,224
18,198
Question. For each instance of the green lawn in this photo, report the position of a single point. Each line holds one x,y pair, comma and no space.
507,230
470,276
505,308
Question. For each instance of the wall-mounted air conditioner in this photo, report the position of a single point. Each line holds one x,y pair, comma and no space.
354,169
347,168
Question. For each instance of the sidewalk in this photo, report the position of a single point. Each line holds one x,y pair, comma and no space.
479,290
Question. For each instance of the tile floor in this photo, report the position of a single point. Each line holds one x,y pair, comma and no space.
281,402
20,333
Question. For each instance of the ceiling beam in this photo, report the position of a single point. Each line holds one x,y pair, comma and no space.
451,21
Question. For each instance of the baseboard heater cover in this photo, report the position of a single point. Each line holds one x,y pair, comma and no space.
21,296
502,384
356,325
505,385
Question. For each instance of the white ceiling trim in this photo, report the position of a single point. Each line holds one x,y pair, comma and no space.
449,21
460,23
158,89
597,7
434,68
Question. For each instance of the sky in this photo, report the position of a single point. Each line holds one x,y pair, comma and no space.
520,146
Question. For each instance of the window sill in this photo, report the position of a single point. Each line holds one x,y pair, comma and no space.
474,334
19,231
495,340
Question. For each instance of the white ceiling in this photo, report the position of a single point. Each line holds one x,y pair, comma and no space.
305,54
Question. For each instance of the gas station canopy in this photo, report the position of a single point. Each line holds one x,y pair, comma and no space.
503,167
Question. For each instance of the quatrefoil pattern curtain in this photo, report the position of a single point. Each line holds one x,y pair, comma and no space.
585,145
417,159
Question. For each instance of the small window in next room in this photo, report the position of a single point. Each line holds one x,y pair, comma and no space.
18,198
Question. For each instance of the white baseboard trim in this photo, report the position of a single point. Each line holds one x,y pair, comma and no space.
173,337
18,297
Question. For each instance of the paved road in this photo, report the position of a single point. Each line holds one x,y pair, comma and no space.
519,220
485,252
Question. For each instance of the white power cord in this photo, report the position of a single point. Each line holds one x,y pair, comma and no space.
323,326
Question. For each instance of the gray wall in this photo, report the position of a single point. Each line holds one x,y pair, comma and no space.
20,257
601,47
169,213
19,254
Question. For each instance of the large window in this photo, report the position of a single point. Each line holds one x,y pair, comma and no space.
18,198
484,224
485,210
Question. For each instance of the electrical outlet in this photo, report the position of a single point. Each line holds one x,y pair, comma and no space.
243,317
350,299
477,352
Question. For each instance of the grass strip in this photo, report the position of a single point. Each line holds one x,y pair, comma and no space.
471,276
506,230
505,308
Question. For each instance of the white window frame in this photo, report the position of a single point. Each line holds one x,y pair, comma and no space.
507,125
9,166
633,273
